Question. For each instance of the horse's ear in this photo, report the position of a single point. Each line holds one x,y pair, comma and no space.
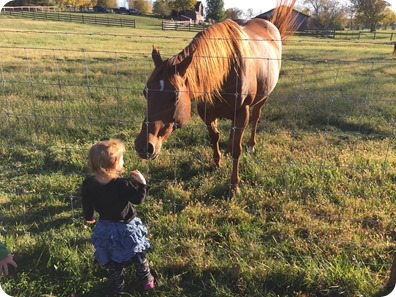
183,65
155,54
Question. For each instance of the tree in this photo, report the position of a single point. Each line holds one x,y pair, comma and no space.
182,5
370,12
215,10
326,14
162,7
107,3
390,18
234,13
142,5
76,3
249,13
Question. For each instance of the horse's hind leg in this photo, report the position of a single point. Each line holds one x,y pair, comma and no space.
255,116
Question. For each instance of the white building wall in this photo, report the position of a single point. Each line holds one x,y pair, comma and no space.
123,3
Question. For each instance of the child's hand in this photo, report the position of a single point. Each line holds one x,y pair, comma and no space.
138,177
7,260
91,222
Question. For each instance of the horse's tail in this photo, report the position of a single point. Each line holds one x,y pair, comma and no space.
284,18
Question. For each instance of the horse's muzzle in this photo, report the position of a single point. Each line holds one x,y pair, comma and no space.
146,152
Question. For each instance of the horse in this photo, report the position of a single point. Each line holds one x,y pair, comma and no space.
230,68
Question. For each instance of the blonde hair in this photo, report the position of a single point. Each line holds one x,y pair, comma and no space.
103,157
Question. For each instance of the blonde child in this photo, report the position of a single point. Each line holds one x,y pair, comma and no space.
119,237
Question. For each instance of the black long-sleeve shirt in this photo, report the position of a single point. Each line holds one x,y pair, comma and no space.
113,201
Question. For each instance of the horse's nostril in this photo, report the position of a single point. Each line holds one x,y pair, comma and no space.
150,149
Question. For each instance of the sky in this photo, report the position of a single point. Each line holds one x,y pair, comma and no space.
264,5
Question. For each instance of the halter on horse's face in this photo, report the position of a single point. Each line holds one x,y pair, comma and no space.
168,105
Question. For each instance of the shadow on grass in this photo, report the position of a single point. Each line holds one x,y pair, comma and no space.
39,220
179,280
386,291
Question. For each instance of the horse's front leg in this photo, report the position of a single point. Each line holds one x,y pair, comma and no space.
256,113
239,124
214,133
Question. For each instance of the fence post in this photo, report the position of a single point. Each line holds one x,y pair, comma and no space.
375,34
391,37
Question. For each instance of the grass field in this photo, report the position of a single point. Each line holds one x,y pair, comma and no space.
316,212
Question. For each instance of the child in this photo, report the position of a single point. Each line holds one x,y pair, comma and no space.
119,236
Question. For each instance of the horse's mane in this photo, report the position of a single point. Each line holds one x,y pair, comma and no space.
215,52
220,48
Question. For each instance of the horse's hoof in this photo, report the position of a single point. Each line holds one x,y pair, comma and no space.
215,165
251,150
233,191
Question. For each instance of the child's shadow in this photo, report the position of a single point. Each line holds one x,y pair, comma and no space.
132,287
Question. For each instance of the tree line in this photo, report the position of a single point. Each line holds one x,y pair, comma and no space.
333,14
324,14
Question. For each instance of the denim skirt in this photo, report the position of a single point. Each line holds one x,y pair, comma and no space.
119,242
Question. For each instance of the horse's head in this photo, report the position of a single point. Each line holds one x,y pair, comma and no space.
168,104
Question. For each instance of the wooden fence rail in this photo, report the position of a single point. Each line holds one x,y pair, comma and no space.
367,35
349,34
74,18
187,26
31,8
183,26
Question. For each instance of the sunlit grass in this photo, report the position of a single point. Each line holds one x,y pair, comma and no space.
315,215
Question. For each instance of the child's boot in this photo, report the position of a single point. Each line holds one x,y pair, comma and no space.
144,275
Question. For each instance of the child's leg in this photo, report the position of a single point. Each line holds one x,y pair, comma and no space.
143,270
115,277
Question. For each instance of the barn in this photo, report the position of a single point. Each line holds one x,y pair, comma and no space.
194,16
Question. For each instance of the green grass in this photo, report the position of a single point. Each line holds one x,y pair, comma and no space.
315,216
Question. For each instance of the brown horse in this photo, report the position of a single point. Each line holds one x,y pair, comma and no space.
230,68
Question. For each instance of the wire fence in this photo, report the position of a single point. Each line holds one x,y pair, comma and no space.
61,100
56,84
